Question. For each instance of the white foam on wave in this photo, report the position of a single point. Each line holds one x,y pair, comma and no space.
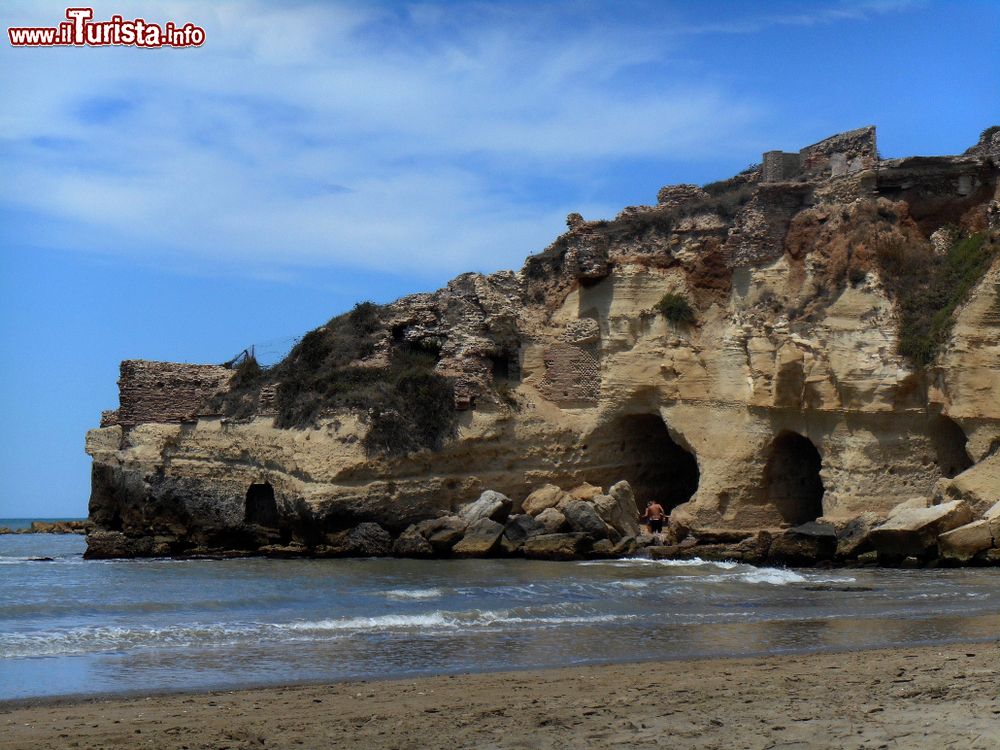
632,562
381,622
413,594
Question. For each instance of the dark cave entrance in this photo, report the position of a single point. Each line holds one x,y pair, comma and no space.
792,483
949,443
261,508
639,449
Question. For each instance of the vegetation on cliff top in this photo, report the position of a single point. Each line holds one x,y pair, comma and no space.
406,403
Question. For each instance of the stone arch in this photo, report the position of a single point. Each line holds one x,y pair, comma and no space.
949,443
792,482
260,507
639,448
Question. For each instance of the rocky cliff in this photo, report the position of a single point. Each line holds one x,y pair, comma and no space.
814,339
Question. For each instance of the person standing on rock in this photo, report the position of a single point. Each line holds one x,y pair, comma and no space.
654,516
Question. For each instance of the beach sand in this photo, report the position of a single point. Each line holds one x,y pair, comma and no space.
943,696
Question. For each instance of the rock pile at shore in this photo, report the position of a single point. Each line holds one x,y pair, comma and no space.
53,527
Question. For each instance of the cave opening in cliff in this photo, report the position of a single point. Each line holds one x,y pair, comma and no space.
261,508
792,483
639,449
949,443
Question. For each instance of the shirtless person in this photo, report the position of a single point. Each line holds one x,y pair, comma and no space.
654,516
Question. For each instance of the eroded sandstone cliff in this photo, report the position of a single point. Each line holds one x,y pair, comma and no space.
839,354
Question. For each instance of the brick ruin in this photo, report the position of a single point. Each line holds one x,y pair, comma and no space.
164,392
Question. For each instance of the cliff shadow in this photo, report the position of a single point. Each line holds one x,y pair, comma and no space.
949,443
639,449
792,482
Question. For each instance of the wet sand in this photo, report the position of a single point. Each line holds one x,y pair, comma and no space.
943,696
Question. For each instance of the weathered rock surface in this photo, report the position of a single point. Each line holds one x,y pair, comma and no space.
556,546
914,531
581,516
965,542
481,539
491,505
543,498
364,540
618,508
805,544
411,543
852,540
552,520
445,532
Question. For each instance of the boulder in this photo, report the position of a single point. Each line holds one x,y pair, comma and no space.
585,492
364,540
992,515
914,531
805,544
618,508
545,497
491,505
852,539
625,546
603,548
285,550
556,546
482,538
552,520
582,517
963,543
103,545
914,503
443,533
520,527
978,485
411,543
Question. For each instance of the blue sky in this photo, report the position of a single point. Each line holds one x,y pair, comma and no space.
182,204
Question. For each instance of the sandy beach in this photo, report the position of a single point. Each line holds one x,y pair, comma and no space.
942,696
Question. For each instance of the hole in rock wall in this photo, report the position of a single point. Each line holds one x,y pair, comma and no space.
791,478
261,508
639,449
949,442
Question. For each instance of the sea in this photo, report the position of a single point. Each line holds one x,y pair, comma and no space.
75,627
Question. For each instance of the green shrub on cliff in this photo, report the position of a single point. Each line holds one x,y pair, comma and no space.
928,290
406,403
675,308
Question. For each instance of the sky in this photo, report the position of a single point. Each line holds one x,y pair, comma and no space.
182,204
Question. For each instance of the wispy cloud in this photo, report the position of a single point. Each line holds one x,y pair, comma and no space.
383,137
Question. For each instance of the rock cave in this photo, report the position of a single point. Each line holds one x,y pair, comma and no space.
792,483
949,444
639,449
261,508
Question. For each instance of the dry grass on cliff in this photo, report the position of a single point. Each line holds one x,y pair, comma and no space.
408,406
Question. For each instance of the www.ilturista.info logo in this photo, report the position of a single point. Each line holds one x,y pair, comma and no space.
80,30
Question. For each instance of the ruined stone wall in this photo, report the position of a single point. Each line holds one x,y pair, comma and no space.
779,166
841,154
164,392
572,375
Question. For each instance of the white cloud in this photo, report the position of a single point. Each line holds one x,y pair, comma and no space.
307,134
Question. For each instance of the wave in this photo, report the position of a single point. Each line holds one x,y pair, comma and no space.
631,562
96,639
413,594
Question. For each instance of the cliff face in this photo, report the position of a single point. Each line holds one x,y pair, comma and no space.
837,351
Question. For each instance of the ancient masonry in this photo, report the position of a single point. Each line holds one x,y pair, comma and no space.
164,392
837,156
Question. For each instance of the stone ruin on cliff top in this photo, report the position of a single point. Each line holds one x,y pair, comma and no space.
806,378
